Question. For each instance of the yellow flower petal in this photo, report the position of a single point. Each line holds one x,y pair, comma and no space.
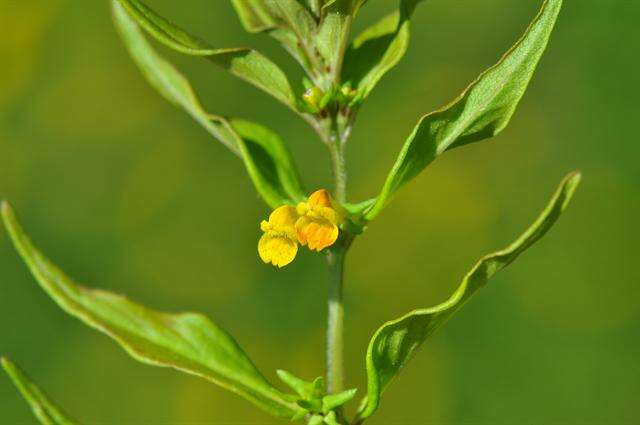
277,250
317,233
319,198
285,215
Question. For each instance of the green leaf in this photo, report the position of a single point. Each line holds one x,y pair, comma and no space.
244,63
333,35
266,157
264,16
482,111
304,389
269,164
316,420
164,77
378,49
332,401
296,17
255,15
43,409
188,342
396,341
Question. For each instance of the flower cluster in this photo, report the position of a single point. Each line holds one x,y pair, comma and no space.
314,223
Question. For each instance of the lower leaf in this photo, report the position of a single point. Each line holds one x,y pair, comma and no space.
396,341
188,342
43,409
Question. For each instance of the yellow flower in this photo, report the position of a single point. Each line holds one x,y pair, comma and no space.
279,244
318,224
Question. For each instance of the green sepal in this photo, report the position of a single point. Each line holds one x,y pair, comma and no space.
333,401
300,386
482,111
393,345
312,405
41,405
331,419
307,390
316,420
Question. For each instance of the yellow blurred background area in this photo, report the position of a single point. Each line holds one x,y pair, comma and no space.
125,192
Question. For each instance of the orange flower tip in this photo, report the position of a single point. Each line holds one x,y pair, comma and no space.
320,198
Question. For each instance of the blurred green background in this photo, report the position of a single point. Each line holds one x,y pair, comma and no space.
125,192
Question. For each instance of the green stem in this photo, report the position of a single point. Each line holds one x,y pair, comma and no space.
339,170
335,261
335,321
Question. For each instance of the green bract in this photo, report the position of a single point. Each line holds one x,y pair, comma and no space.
340,73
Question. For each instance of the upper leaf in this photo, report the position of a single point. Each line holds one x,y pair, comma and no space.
269,163
265,155
333,35
396,341
164,77
482,111
378,49
245,63
43,409
189,342
255,15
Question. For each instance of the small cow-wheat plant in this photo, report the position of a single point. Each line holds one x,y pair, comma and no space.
340,72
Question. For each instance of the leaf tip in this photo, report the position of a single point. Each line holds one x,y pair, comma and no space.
6,363
6,211
570,185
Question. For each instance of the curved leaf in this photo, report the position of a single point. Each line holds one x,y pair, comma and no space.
265,155
188,342
396,341
378,49
269,164
482,111
255,15
245,63
43,409
164,77
264,16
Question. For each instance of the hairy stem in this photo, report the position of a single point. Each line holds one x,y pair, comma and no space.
338,161
335,321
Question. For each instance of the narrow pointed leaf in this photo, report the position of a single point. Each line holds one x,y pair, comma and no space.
333,35
188,342
300,386
482,111
378,49
244,63
42,407
164,77
266,157
332,401
396,341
